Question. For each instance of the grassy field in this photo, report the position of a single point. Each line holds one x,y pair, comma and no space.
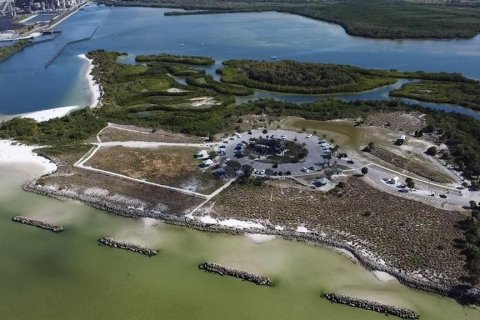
172,166
463,94
367,18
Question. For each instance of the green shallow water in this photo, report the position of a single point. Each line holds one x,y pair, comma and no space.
68,276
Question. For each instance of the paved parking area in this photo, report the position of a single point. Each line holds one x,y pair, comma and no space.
314,158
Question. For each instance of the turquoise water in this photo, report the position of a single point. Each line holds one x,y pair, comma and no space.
249,35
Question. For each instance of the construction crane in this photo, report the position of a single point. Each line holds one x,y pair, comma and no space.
7,8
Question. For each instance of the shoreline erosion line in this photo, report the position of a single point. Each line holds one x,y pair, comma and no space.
240,274
464,294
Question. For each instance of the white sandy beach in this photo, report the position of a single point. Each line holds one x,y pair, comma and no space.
44,115
15,153
95,89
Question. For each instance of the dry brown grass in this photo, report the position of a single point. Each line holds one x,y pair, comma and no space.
407,234
173,166
411,165
160,165
115,134
397,121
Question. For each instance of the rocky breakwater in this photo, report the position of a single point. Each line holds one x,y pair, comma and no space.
127,246
372,305
38,224
244,275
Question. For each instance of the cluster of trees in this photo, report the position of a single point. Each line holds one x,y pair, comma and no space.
297,77
170,58
61,134
471,248
465,94
462,135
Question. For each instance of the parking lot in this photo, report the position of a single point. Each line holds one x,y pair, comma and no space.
314,161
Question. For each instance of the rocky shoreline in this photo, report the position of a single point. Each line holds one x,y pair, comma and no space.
38,224
464,294
244,275
372,305
106,241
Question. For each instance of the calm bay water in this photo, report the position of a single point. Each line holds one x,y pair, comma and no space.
68,276
27,86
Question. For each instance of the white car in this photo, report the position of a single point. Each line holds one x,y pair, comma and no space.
309,135
262,172
305,170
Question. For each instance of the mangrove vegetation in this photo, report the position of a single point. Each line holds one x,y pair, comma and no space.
459,93
317,78
367,18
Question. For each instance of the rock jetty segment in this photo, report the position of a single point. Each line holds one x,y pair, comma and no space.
244,275
127,246
372,305
38,224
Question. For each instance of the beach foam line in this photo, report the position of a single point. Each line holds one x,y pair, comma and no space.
12,152
259,238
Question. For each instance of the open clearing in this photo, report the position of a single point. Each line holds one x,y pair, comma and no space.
172,166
